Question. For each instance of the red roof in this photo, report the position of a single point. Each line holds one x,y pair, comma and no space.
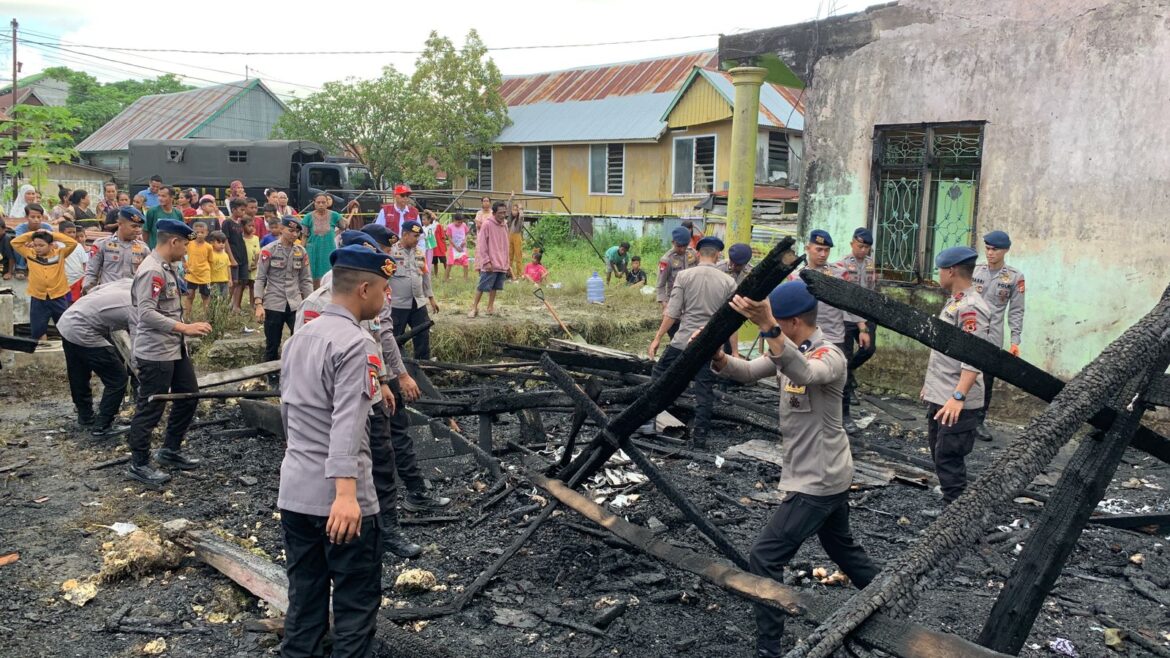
651,76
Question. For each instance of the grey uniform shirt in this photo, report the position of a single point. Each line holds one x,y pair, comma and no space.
411,283
381,327
328,385
157,308
669,266
1003,290
114,259
830,319
90,320
283,278
725,267
968,311
817,459
863,273
697,293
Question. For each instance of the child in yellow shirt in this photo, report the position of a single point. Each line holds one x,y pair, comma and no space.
199,256
220,265
252,244
48,288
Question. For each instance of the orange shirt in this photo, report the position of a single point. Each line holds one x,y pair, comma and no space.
220,267
46,276
199,262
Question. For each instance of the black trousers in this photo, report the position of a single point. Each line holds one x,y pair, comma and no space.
799,517
274,324
414,316
382,453
846,395
949,447
405,458
355,572
7,253
703,388
156,377
83,362
857,355
988,386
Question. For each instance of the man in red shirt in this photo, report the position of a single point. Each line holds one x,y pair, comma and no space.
402,210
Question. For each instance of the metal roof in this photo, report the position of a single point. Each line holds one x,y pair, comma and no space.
780,107
650,76
167,116
614,119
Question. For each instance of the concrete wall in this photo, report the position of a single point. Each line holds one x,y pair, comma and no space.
1076,162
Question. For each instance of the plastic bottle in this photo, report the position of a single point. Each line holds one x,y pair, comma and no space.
595,289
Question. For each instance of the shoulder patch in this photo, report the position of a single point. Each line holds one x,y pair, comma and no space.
662,265
1020,285
969,321
819,353
265,254
311,315
373,367
156,286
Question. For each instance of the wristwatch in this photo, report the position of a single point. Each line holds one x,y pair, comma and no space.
771,333
958,396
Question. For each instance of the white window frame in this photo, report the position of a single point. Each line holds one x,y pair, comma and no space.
552,173
606,145
714,165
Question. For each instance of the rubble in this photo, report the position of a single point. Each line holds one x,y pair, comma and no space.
136,555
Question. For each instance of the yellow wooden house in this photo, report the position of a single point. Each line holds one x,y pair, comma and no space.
650,138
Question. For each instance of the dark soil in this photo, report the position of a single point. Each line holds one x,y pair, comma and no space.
564,571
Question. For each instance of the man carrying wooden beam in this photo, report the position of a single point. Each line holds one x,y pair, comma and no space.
818,464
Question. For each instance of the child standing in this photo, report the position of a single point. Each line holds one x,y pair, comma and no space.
198,268
220,265
534,271
274,230
252,245
76,262
457,245
635,275
48,288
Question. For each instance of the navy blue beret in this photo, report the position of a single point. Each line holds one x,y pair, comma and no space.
952,256
739,253
174,227
131,213
710,242
411,226
680,236
355,257
790,299
349,238
998,239
380,234
820,237
288,221
864,235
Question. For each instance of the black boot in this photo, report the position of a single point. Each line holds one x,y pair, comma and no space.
105,428
982,433
421,501
168,457
393,540
148,475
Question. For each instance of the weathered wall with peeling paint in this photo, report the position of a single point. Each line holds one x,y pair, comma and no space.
1076,162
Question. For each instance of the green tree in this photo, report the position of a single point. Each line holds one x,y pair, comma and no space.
41,136
94,103
409,129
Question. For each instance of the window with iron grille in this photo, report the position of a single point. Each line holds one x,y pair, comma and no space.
237,156
480,177
694,165
776,169
607,168
538,171
924,195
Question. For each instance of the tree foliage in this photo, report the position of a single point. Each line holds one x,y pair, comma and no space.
409,129
41,136
94,103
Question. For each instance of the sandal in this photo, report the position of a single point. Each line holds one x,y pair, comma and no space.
20,276
472,313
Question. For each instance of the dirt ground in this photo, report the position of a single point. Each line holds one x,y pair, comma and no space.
53,509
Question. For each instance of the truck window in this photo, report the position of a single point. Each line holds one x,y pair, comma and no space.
360,179
237,156
325,178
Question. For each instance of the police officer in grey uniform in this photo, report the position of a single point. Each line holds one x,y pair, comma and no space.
331,378
953,390
1003,287
283,281
161,356
738,264
117,256
679,258
830,319
85,328
818,466
412,288
697,293
860,335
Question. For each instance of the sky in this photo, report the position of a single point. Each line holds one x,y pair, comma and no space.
79,33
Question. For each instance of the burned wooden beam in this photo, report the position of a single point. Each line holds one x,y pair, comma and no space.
239,374
18,344
513,402
896,588
1159,392
1133,521
1080,488
894,636
482,371
214,395
412,332
572,359
954,342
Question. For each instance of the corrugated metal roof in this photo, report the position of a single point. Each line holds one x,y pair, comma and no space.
165,116
777,103
614,119
651,76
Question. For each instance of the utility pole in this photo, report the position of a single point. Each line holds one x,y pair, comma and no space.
15,136
744,130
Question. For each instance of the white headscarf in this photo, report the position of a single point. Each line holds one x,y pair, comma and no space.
18,204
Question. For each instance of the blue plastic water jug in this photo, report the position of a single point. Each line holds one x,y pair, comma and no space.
595,289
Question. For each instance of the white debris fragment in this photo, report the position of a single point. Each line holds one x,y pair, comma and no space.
121,527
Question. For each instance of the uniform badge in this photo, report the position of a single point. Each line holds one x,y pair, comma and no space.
662,265
1020,286
389,268
795,390
156,286
979,289
819,353
311,315
373,366
969,322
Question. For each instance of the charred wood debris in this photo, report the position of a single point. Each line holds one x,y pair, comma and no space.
610,396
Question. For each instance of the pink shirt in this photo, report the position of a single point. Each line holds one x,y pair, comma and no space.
492,251
535,271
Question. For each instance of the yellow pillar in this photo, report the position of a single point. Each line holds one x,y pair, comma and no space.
745,125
